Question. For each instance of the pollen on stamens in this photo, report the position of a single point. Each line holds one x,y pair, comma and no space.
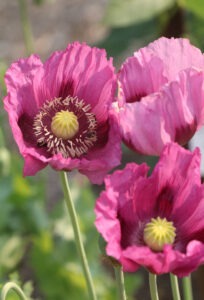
66,126
158,233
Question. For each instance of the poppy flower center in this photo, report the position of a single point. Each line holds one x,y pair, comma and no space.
158,233
65,126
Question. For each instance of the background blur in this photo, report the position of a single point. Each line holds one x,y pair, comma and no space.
36,239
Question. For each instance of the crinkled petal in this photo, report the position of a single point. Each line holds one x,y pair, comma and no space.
173,186
107,223
173,114
138,125
168,261
113,200
144,256
108,156
184,264
176,54
191,223
140,76
178,170
179,188
79,71
32,165
19,79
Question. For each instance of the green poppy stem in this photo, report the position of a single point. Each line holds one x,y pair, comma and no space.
78,240
119,276
27,33
187,288
12,286
175,287
153,286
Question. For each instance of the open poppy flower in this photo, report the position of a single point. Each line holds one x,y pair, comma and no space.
59,111
157,221
161,95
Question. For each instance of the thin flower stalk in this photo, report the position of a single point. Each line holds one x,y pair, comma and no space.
12,286
153,286
27,33
187,288
175,287
119,276
77,235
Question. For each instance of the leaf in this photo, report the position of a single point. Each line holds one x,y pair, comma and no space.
123,13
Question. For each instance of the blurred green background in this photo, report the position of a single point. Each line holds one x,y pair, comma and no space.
36,239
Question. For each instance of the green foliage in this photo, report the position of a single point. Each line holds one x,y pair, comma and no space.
119,39
195,6
38,2
124,13
3,68
11,251
27,287
57,275
195,29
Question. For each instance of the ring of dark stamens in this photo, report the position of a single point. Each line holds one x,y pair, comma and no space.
83,140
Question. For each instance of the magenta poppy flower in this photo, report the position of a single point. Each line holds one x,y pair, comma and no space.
161,96
157,221
59,111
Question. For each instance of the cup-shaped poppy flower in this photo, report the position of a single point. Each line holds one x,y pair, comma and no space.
59,111
157,221
161,95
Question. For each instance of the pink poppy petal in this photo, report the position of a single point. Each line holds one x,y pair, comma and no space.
78,71
173,114
168,261
186,263
32,165
184,99
177,166
140,76
107,223
176,55
19,79
107,206
144,256
191,223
